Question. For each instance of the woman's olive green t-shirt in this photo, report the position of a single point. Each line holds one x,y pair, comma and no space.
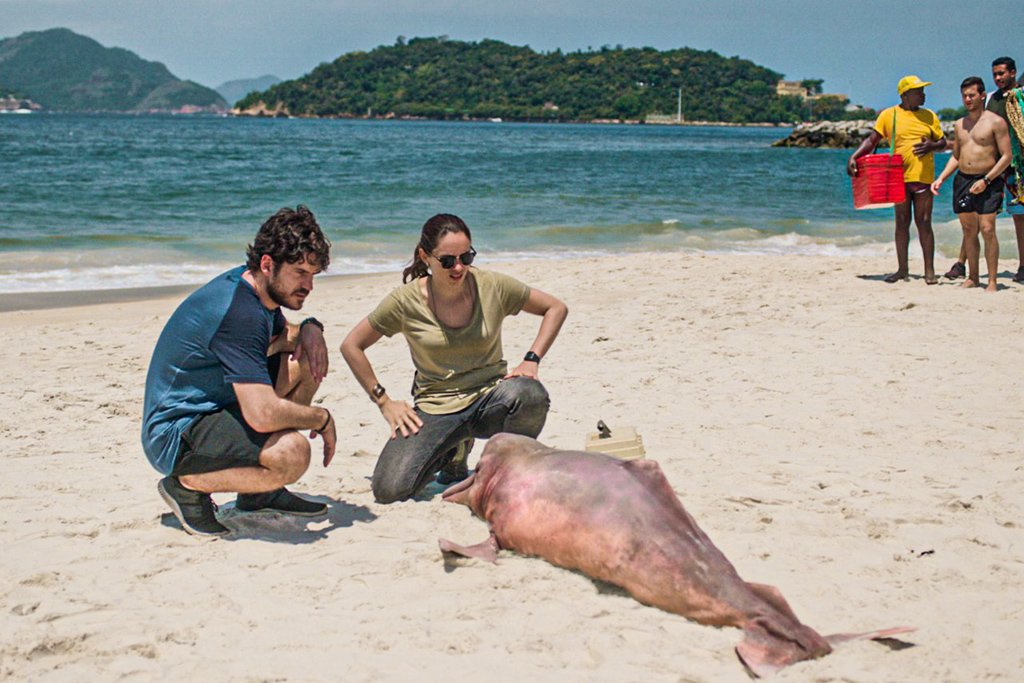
454,367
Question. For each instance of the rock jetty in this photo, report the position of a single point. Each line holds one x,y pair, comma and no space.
834,134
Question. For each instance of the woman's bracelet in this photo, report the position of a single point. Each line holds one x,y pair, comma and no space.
326,422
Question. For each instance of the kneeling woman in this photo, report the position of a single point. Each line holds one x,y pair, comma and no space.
451,316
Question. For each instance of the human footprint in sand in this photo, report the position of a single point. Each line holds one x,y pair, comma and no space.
981,152
451,316
231,382
916,136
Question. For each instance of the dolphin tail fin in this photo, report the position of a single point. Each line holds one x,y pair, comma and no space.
770,644
485,550
883,634
765,651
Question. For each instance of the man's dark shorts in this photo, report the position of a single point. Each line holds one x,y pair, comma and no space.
989,200
223,439
219,441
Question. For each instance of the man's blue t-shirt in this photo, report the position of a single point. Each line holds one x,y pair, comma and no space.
218,336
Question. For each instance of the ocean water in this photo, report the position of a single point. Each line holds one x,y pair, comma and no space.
95,202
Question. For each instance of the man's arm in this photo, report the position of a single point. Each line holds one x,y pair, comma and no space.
952,164
866,145
266,413
1002,133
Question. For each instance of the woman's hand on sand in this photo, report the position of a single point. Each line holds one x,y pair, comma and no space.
401,417
525,369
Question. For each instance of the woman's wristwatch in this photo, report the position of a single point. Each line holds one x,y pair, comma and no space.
531,357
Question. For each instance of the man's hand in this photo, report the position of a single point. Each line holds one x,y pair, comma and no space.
927,146
978,186
313,348
401,417
851,168
525,369
330,436
936,186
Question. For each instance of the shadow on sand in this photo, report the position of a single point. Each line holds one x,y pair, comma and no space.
277,527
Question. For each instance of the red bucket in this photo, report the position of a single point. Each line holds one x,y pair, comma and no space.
879,181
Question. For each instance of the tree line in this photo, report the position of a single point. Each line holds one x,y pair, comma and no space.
445,79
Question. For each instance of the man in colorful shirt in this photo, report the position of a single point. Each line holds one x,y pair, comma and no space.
916,135
231,381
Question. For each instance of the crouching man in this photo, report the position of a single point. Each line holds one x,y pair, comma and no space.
231,381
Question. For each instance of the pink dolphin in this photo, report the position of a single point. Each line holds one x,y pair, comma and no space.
622,523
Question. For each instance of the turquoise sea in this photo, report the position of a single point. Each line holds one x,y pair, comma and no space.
94,202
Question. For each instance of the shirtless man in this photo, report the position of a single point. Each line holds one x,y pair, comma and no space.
981,152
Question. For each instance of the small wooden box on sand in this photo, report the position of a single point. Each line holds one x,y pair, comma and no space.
624,443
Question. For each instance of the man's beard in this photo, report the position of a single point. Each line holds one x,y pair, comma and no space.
284,298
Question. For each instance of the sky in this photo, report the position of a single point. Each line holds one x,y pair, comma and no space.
860,48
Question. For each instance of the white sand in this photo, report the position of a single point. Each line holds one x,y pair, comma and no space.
856,444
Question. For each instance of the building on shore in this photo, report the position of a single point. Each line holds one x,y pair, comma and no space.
791,89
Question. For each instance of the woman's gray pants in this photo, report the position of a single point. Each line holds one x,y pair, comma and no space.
518,405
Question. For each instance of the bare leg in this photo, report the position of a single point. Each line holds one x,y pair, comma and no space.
294,381
284,459
923,202
902,237
1018,227
285,456
987,224
969,223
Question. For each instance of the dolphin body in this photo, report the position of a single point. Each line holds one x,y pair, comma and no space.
622,523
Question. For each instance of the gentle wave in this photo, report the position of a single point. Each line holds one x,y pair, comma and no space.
54,277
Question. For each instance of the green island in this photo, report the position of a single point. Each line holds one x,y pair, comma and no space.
437,78
64,71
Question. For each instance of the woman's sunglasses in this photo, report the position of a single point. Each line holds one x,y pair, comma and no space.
448,261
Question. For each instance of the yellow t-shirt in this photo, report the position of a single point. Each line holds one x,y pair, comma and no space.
454,367
911,126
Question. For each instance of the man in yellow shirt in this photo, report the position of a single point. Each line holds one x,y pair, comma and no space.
916,135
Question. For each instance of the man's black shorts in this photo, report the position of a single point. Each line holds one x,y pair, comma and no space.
222,440
219,441
990,200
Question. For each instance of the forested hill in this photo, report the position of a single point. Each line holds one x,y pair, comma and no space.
65,71
440,78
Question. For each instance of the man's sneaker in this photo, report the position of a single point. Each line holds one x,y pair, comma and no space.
456,468
281,500
1019,277
957,270
195,510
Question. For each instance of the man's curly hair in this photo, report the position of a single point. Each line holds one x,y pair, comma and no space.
290,236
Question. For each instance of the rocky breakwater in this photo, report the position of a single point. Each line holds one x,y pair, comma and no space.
834,134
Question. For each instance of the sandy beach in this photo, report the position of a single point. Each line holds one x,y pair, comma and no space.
855,444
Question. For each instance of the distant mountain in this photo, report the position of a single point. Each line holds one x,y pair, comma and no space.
449,79
232,91
65,71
